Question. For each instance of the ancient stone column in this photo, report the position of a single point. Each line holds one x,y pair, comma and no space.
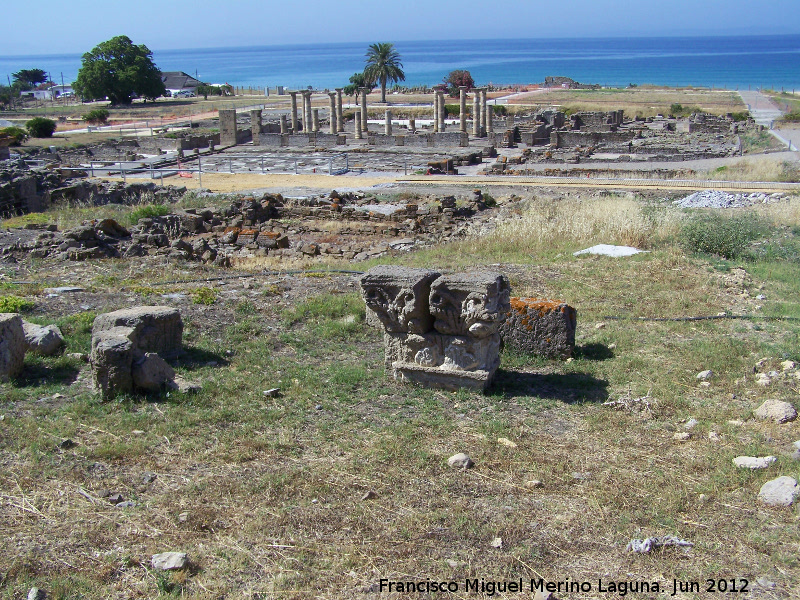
388,127
483,112
476,114
357,124
294,111
435,112
462,97
339,118
255,124
283,124
412,125
332,113
364,125
489,120
442,112
309,118
315,119
227,127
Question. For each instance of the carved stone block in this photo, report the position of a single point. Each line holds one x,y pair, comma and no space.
439,330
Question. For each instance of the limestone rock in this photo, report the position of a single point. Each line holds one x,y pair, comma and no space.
776,410
782,491
36,594
170,561
469,303
705,375
541,327
753,462
151,372
12,345
156,329
185,386
42,340
460,461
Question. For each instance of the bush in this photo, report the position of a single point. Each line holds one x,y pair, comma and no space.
728,237
14,304
204,295
148,211
98,115
17,134
39,127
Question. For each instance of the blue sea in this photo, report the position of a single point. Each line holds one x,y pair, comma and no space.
731,62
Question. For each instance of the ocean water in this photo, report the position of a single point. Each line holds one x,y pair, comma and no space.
732,62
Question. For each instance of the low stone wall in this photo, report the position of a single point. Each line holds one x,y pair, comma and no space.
566,139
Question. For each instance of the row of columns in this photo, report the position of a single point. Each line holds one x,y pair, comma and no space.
481,122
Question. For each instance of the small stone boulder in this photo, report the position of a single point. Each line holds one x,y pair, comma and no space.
12,345
782,491
460,461
156,329
541,327
42,340
776,410
753,462
151,372
170,561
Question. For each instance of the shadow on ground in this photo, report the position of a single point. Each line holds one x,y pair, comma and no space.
571,388
593,352
196,358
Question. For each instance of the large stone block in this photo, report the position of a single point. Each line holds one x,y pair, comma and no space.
156,329
12,345
112,360
399,297
542,327
42,340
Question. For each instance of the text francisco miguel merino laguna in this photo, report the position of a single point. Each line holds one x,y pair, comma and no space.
621,588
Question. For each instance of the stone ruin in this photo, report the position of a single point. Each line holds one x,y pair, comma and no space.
541,327
17,337
439,330
129,348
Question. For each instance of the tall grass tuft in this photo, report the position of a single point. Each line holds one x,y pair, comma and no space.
547,225
720,235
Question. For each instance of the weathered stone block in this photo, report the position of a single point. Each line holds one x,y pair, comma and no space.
156,329
12,345
111,360
399,297
542,327
151,372
42,340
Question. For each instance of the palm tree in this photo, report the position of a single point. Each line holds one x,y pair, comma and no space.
383,64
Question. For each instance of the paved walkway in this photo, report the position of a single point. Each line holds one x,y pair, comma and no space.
765,112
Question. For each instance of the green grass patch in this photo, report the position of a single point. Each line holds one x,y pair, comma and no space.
15,304
725,236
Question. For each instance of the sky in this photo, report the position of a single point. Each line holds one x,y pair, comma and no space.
76,26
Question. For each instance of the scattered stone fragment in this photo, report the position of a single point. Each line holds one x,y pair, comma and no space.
36,594
460,461
776,410
370,495
646,545
788,365
67,444
682,436
691,423
534,483
705,375
63,290
42,340
272,392
577,476
782,491
713,436
126,504
184,386
170,561
543,595
765,583
183,517
149,477
115,498
496,542
753,462
599,325
12,345
506,442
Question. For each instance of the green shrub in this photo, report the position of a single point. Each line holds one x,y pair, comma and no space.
17,134
14,304
740,116
39,127
204,295
728,237
500,109
98,115
148,211
791,117
453,110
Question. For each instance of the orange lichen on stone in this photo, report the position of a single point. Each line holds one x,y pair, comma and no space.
270,234
526,306
249,232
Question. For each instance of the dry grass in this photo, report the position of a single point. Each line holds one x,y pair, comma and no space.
543,225
760,169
